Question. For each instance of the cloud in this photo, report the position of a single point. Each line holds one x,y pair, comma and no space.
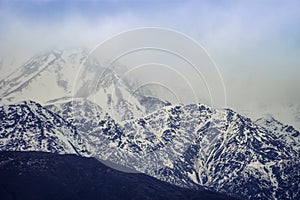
19,35
255,44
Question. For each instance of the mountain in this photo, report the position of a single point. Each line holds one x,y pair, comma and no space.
286,132
62,75
91,122
36,175
28,126
195,145
86,109
31,81
186,145
219,149
9,63
189,146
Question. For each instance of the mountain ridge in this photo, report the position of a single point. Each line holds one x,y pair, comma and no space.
191,146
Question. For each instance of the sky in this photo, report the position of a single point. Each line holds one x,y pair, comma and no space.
255,44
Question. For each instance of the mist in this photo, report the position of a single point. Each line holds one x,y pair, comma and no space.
256,45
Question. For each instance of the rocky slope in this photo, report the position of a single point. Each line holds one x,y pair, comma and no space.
195,145
88,110
286,132
30,127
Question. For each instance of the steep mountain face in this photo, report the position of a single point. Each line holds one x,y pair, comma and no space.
30,127
88,110
285,132
219,149
59,76
190,146
196,145
34,175
32,80
90,120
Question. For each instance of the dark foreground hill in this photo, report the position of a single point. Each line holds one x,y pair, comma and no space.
39,175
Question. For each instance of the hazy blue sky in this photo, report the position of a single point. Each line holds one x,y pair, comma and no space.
256,44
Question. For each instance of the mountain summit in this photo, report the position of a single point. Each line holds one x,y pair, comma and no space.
61,102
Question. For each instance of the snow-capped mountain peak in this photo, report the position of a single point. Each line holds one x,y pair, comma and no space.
289,133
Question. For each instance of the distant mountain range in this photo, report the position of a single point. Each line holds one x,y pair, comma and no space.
192,146
189,146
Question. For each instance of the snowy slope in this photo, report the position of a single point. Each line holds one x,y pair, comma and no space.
61,75
42,78
219,149
91,122
186,145
89,110
195,145
286,132
9,64
30,127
